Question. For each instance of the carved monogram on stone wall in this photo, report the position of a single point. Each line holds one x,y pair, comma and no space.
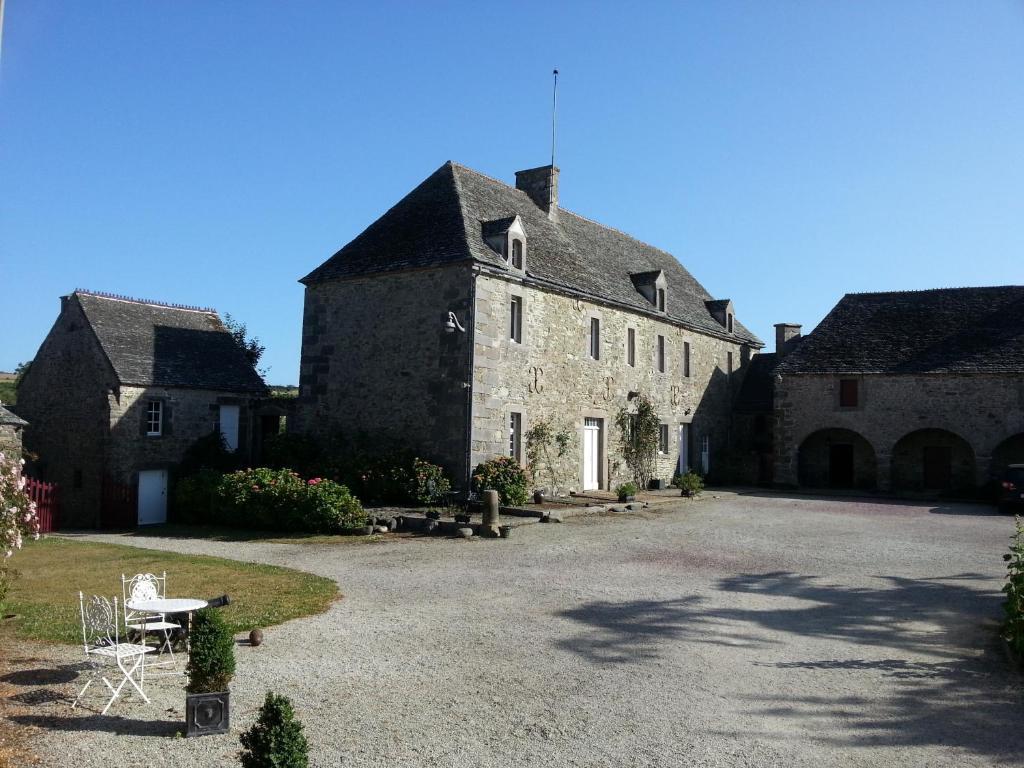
536,384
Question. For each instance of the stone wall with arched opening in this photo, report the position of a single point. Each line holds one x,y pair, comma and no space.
836,458
932,460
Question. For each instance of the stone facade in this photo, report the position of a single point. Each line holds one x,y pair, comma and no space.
550,375
86,427
378,363
977,418
11,427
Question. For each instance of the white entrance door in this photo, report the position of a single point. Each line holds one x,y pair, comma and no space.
229,426
152,496
591,454
684,449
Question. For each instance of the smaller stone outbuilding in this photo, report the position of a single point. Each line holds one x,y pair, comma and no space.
916,391
116,394
11,427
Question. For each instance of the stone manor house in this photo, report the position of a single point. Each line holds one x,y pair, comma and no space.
472,309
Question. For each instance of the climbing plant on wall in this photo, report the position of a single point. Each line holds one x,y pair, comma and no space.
545,447
638,426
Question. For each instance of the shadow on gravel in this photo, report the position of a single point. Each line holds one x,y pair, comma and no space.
961,700
970,507
64,673
120,726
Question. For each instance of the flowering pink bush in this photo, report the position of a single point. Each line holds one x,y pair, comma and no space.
17,510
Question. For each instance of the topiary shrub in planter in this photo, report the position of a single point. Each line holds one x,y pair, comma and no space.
275,739
626,492
690,484
504,475
211,665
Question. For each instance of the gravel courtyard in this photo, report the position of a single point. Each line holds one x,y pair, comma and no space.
743,630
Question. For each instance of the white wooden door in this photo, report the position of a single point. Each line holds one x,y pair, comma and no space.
152,496
229,426
591,454
684,449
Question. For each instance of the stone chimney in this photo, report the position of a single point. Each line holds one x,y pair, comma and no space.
787,335
541,184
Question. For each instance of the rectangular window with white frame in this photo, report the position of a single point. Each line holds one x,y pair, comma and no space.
663,439
661,354
631,347
515,328
515,436
154,418
595,338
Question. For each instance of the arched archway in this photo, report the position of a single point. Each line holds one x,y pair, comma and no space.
1010,451
932,460
836,458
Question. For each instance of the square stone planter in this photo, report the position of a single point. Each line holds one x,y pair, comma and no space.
207,713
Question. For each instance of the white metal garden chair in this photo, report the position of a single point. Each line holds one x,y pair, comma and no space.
103,646
147,586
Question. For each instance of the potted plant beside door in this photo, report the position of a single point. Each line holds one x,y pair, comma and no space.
211,665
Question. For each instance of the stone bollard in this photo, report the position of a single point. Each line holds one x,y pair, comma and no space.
491,521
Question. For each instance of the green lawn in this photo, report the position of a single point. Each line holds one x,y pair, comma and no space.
53,570
8,392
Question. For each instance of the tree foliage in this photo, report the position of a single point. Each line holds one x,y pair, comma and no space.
211,658
638,426
250,346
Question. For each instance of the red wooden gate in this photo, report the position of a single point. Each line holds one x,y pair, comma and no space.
120,505
47,501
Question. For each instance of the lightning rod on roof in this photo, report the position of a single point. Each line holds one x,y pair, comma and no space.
554,115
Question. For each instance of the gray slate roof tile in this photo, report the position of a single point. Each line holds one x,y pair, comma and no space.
151,344
441,222
945,330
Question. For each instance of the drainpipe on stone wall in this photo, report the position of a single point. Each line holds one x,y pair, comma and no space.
471,334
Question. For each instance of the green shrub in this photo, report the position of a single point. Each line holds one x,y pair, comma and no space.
691,482
211,658
428,484
208,452
275,739
278,499
504,475
195,497
626,489
1013,627
330,508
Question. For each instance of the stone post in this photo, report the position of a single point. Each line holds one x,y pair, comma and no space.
490,513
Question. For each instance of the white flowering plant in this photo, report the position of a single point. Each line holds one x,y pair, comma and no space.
17,511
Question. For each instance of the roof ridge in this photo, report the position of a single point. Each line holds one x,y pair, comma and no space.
566,210
148,302
463,213
935,290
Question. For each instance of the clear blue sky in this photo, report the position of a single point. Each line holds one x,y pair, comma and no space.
789,152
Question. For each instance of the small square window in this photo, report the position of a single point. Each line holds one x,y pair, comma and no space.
848,394
595,338
515,329
631,347
154,418
661,354
663,438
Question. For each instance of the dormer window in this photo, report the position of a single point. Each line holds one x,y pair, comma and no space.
722,311
729,317
652,286
507,238
661,299
517,254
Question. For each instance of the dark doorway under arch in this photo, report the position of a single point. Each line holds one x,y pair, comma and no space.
1010,451
932,460
836,458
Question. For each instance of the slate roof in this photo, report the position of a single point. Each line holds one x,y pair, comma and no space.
152,344
440,222
11,419
758,391
946,330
